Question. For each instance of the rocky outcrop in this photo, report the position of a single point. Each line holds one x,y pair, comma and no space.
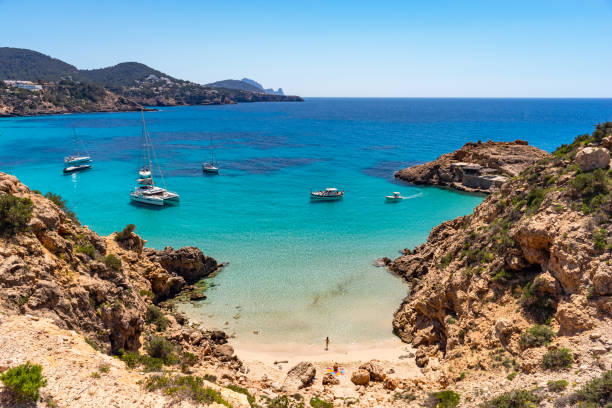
536,252
187,262
360,377
592,158
299,377
98,286
478,166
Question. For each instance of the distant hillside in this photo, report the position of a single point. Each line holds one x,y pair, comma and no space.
235,84
125,86
246,84
124,74
22,64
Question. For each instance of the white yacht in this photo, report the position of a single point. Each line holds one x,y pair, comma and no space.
146,192
77,161
329,194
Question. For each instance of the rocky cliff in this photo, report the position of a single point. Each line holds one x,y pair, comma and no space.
505,159
535,257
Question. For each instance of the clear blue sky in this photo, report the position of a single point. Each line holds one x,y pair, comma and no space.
507,48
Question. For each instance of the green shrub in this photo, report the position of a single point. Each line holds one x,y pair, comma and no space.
159,347
210,377
241,390
513,399
92,344
445,399
146,293
113,262
512,376
540,305
86,249
24,381
15,213
133,360
557,386
535,198
155,315
61,203
445,260
536,336
282,401
184,387
126,233
557,359
318,403
600,239
597,391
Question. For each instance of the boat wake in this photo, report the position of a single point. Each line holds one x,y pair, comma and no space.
412,196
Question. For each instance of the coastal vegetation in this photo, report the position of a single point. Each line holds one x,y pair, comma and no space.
15,213
24,381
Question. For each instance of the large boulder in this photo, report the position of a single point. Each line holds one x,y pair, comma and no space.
376,370
187,262
360,377
591,158
299,377
607,142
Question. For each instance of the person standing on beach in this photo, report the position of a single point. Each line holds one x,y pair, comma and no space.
326,343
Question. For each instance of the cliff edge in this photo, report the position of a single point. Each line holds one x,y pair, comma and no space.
476,167
528,274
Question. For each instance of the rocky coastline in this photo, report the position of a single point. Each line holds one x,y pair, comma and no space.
476,167
509,305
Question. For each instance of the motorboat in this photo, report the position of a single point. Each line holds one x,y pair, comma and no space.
395,197
329,194
146,192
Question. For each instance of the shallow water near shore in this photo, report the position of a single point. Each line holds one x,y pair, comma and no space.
298,271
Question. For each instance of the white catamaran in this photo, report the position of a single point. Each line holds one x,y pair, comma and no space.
211,167
146,192
78,161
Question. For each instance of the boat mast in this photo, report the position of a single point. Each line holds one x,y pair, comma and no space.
150,150
212,152
146,151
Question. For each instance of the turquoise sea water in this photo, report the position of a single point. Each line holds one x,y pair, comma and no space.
298,271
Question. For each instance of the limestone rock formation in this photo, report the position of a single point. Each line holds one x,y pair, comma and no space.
59,269
300,376
360,377
187,262
536,252
591,158
476,166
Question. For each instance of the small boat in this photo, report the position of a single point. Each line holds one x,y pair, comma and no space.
395,197
77,167
146,192
77,161
329,194
211,167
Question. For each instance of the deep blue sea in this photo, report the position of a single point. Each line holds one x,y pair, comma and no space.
298,271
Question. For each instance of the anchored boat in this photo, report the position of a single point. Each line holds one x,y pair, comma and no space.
211,167
77,161
146,192
329,194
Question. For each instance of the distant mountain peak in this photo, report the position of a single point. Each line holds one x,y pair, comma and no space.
254,83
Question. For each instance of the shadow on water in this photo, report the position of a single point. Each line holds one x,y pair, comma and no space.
152,207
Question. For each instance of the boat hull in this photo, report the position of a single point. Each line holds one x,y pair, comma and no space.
72,169
391,199
325,198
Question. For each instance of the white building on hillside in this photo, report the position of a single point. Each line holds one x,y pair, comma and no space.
30,86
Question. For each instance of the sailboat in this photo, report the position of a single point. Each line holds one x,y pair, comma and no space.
146,192
77,161
211,167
